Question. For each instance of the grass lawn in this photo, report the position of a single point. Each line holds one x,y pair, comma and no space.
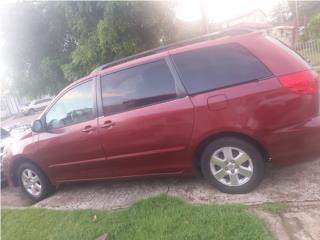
160,217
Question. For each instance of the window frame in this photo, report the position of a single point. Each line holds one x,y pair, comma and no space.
223,87
95,112
180,89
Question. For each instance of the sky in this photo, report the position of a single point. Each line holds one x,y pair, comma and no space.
221,10
189,10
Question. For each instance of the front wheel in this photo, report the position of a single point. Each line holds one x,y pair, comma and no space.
34,182
232,165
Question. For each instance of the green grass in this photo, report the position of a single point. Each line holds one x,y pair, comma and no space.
160,217
275,208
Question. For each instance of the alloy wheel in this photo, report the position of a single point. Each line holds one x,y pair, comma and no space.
31,182
231,166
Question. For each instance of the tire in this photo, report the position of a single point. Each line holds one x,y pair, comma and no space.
36,178
233,165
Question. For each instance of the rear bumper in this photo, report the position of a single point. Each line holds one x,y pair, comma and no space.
295,143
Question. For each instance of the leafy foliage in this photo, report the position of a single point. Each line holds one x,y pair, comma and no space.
159,217
48,44
313,28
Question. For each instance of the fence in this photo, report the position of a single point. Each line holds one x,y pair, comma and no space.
310,50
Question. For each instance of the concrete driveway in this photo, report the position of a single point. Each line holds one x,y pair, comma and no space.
296,183
20,120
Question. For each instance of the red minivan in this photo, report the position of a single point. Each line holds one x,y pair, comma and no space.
223,105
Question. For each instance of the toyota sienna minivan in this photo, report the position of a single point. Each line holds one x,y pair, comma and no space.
222,105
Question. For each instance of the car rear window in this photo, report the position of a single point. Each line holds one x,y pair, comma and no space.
220,66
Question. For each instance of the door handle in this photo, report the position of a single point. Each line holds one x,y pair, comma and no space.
107,124
88,129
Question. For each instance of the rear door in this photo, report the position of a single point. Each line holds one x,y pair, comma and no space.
147,120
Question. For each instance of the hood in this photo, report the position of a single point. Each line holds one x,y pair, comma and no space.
14,137
23,135
6,141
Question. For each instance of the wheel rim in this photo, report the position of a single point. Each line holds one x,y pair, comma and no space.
231,166
31,182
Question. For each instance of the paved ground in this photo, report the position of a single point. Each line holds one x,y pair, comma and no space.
20,120
297,183
299,222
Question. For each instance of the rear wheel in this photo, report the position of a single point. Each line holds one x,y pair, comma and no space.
34,182
232,165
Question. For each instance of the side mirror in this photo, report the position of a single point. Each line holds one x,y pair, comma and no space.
37,126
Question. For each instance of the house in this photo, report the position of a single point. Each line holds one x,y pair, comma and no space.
255,19
285,34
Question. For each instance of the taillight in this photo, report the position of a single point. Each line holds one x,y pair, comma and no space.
300,82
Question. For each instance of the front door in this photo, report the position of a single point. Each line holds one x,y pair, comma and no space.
70,147
146,124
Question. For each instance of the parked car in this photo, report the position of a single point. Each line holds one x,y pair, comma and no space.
7,136
223,105
36,105
4,139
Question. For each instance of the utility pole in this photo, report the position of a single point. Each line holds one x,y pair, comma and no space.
296,27
204,18
297,13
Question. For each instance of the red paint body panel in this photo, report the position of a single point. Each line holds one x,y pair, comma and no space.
163,138
259,110
155,138
69,153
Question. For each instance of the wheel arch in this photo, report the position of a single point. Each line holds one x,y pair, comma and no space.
202,145
15,165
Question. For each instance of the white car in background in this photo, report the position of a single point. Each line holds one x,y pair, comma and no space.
36,105
7,136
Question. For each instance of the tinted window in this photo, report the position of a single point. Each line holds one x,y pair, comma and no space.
75,106
219,66
137,86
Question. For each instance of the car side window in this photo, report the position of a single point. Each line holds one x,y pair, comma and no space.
137,86
75,106
219,66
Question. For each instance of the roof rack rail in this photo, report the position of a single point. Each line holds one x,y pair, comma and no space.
210,36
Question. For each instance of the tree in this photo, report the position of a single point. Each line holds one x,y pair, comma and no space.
48,44
33,43
126,28
302,11
313,28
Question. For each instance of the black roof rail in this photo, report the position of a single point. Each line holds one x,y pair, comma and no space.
210,36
